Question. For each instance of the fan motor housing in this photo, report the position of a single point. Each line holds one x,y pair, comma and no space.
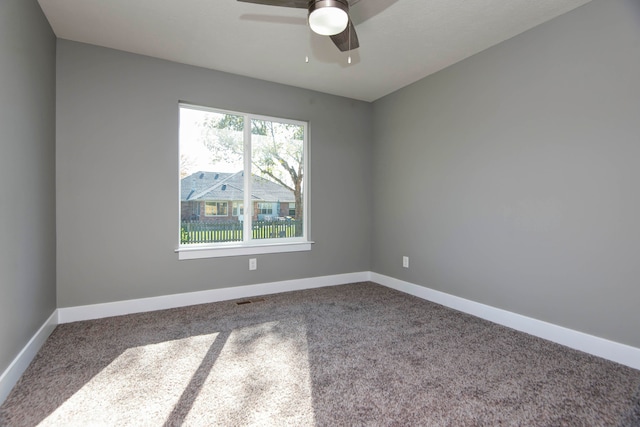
319,4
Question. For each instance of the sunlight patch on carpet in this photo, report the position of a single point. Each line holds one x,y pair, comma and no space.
252,375
261,376
143,383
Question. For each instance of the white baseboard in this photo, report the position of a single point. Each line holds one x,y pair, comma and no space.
12,374
118,308
610,350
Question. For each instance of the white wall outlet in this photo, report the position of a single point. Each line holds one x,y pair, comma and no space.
405,261
253,264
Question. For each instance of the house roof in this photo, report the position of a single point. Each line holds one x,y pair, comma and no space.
204,185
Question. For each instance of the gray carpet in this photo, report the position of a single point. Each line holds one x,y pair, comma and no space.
357,354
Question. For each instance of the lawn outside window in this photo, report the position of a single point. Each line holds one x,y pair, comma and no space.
243,184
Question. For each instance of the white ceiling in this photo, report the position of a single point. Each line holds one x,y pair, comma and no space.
401,41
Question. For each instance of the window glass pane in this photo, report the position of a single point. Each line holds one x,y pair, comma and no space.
277,164
215,209
238,208
211,175
209,209
220,152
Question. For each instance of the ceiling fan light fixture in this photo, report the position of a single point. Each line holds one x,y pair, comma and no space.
328,17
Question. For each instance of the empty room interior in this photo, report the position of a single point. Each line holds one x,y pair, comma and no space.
458,243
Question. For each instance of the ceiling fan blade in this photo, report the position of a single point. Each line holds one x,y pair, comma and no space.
274,19
300,4
341,40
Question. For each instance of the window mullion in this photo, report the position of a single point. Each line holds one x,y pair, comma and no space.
248,207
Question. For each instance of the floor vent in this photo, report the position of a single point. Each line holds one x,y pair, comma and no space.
250,301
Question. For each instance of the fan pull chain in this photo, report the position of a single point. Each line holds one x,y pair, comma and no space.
349,34
306,57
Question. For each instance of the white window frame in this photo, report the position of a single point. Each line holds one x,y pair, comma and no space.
258,246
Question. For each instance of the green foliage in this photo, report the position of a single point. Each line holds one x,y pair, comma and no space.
277,149
236,123
184,235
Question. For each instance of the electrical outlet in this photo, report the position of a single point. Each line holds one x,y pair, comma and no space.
253,264
405,261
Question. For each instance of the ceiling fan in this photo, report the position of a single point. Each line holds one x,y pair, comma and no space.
326,17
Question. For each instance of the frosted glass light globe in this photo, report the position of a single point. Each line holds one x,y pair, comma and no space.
328,21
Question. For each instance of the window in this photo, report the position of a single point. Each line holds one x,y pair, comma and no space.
215,209
264,209
242,173
238,208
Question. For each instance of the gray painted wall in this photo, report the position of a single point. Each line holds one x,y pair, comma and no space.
512,177
117,177
27,175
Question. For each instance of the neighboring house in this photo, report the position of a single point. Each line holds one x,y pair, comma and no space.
218,196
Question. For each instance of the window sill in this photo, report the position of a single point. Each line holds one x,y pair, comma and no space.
207,251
